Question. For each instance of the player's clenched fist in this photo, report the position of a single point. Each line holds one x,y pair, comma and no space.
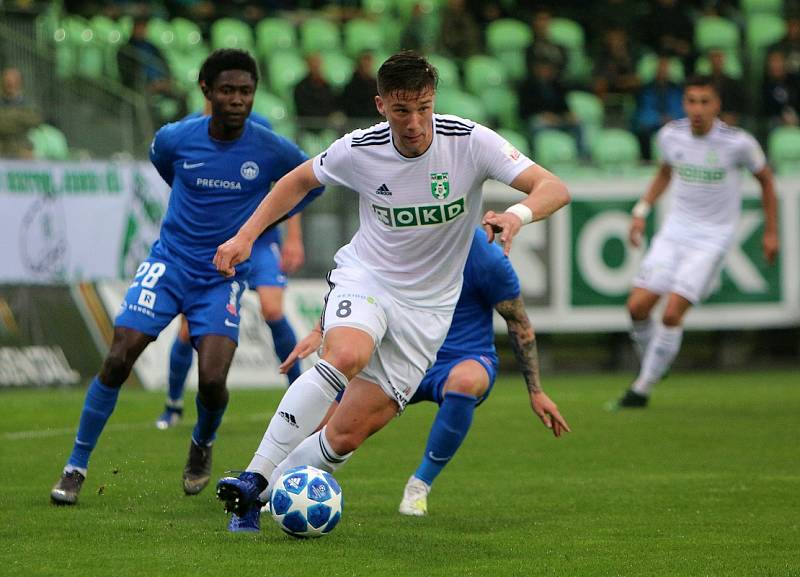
230,253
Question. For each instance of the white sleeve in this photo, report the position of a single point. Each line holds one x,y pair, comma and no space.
495,156
334,166
662,138
751,155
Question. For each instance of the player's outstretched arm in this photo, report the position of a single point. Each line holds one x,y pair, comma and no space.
286,193
546,194
769,203
642,208
523,341
310,343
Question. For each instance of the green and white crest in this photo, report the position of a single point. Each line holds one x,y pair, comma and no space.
440,185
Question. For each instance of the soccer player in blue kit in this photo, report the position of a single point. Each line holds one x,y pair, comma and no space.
466,365
220,168
271,260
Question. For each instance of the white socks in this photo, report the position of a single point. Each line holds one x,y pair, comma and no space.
298,415
314,451
661,351
641,334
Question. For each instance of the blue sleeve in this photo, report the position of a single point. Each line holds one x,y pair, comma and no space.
162,153
500,281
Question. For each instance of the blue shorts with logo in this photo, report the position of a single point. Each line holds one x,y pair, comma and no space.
162,289
432,385
265,262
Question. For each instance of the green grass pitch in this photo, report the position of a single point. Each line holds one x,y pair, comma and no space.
705,482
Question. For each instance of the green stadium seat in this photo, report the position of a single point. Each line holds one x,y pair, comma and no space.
185,68
554,149
732,66
319,35
454,101
716,32
567,33
270,106
648,64
312,143
762,30
752,7
449,76
231,33
481,72
586,106
284,70
188,36
160,33
506,40
196,102
111,36
517,140
502,105
362,35
376,7
49,143
337,69
66,50
273,35
783,146
615,150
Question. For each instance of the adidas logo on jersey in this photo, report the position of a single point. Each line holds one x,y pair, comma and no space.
383,190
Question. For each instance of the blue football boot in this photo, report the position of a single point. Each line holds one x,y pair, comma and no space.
240,494
250,522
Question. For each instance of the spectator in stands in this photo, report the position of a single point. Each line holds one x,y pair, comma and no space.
358,96
780,92
614,75
315,101
143,68
606,14
668,29
486,12
459,34
732,91
542,48
17,116
657,103
790,44
543,104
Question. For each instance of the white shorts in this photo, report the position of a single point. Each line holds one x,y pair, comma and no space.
674,267
406,338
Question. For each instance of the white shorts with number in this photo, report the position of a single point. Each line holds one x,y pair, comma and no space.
406,338
676,267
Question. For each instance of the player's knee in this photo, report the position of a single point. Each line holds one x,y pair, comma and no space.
348,361
637,309
271,312
672,318
212,392
116,368
465,385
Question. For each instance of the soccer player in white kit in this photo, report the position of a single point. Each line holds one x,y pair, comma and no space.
419,177
705,156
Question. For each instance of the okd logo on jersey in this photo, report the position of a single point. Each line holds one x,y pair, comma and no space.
419,215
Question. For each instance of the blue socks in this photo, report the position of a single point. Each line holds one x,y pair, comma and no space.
180,361
205,431
447,433
97,407
284,339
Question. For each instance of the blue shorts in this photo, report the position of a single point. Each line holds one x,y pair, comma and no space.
162,289
265,269
430,389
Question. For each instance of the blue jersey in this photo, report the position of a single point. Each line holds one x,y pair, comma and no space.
489,279
216,185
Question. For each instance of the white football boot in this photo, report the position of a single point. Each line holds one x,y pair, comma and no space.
415,498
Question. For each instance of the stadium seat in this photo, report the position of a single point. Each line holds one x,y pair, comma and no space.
312,143
231,33
273,35
406,7
188,36
716,32
502,105
185,68
195,100
567,33
270,106
160,33
376,7
449,76
319,35
284,70
648,63
554,149
362,35
586,106
783,145
732,66
506,40
517,140
615,150
111,36
337,69
481,72
454,101
66,50
762,30
49,143
752,7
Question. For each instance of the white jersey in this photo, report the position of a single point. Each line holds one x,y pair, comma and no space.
706,180
418,215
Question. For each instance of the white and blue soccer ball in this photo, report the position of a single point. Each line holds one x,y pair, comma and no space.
306,502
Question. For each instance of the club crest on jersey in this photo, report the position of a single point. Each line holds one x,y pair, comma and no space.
440,185
249,170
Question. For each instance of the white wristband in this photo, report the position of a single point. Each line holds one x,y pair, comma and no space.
524,213
641,209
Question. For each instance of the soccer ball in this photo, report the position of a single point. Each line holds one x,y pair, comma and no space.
306,502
